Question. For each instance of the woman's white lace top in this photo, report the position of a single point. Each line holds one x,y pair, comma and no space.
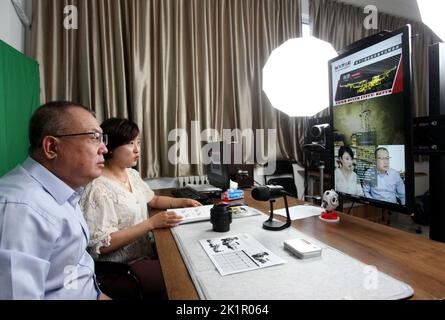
109,207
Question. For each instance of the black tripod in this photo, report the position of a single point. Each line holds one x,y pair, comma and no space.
310,150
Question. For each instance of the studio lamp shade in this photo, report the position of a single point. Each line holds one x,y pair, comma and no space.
431,12
295,77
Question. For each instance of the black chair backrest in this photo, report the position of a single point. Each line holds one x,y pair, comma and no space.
283,167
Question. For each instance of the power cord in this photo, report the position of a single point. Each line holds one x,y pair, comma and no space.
350,209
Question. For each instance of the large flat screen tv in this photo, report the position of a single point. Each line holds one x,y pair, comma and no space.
370,104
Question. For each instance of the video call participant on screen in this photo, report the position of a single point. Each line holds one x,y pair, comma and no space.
43,235
115,209
390,186
345,178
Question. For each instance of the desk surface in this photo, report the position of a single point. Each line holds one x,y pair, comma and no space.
417,261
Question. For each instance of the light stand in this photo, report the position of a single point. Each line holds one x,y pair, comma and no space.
275,225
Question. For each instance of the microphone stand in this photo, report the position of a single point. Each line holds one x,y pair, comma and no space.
275,225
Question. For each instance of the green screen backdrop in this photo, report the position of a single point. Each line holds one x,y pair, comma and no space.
19,97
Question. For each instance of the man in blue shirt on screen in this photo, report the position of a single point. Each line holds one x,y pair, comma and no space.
43,235
390,186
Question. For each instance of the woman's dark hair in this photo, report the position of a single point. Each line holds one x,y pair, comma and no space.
120,132
343,150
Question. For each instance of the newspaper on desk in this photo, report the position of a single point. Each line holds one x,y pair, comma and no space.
196,214
238,253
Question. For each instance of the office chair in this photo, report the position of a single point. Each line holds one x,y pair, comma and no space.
283,176
118,281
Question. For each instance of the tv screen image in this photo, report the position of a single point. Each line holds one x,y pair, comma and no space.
378,78
370,89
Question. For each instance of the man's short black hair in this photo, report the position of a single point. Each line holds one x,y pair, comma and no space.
50,119
378,149
120,132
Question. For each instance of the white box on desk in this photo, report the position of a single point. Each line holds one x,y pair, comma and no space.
302,248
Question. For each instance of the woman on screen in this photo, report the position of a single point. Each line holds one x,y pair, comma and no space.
115,209
345,177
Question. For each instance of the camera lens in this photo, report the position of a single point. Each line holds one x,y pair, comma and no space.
316,131
221,218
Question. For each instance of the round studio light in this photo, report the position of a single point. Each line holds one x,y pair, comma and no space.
295,77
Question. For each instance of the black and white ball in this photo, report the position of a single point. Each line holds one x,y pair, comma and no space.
330,200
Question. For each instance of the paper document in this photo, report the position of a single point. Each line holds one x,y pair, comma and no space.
194,214
300,212
238,253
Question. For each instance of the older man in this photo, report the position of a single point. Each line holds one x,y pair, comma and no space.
389,186
43,235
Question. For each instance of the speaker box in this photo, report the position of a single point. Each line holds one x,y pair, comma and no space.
242,174
436,56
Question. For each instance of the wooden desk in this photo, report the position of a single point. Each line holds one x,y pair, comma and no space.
417,261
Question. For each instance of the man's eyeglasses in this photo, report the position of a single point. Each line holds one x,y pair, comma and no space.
98,137
384,158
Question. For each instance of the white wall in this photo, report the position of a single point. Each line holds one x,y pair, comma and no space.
11,29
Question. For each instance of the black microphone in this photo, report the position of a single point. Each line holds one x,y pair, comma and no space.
265,193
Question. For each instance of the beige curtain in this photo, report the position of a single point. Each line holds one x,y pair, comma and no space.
342,24
336,23
166,63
